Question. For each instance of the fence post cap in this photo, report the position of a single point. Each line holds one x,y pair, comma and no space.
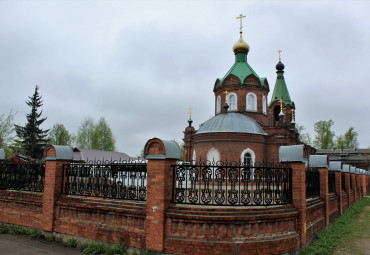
2,154
156,148
58,152
293,153
335,166
352,169
318,161
345,168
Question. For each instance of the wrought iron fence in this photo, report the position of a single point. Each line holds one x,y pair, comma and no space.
232,183
125,180
312,182
331,181
22,177
343,182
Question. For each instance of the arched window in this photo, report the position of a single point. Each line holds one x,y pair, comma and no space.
264,104
218,104
251,102
213,155
248,158
232,101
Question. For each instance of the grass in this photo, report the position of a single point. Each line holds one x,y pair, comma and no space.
340,230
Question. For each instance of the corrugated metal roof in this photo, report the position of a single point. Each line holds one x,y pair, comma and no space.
231,122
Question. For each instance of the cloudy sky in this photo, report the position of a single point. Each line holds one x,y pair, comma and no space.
142,64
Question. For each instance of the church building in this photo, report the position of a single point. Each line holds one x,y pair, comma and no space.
245,128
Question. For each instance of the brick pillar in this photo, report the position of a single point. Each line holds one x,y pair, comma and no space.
56,156
299,197
324,191
161,156
338,190
353,180
358,187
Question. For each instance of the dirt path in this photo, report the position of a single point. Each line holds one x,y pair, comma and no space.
358,243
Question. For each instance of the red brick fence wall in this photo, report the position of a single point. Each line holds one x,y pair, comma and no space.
160,225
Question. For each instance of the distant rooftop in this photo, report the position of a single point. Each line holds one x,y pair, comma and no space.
357,157
85,155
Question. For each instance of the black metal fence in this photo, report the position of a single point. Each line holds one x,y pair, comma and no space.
22,177
331,180
343,181
125,180
232,183
312,182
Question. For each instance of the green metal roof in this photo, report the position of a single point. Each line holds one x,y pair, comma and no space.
240,69
280,90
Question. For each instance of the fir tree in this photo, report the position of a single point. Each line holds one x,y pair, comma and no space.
31,136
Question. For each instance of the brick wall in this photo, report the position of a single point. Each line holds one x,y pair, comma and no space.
315,217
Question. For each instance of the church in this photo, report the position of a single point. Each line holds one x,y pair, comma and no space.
246,127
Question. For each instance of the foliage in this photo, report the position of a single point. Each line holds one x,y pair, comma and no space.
324,138
32,137
50,238
59,135
116,249
348,140
95,136
94,248
338,231
71,242
303,137
6,132
36,233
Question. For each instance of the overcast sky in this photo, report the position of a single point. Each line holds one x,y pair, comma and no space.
142,64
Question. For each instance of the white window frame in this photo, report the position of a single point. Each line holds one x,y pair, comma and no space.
254,103
229,101
248,150
218,104
264,105
194,156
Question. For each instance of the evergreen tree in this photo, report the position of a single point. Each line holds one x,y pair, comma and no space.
31,136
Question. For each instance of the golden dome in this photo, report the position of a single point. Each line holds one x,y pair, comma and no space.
241,46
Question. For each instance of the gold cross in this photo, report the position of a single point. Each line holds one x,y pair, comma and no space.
279,51
241,17
226,96
190,113
293,118
210,116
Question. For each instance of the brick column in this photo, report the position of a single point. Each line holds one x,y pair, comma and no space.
358,183
297,155
55,157
338,189
299,197
347,177
324,192
161,156
353,180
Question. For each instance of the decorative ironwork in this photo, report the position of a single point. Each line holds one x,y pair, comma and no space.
233,183
312,182
22,177
126,180
331,180
343,182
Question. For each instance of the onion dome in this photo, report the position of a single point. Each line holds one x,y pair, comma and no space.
280,66
241,46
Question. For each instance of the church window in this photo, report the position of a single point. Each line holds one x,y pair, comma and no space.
264,104
232,101
194,155
218,104
248,159
276,112
213,155
251,102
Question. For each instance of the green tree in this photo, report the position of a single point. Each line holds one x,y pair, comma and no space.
59,135
348,140
324,138
7,132
95,136
31,137
103,138
303,137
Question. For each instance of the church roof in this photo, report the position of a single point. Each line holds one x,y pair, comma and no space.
240,69
230,122
281,89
